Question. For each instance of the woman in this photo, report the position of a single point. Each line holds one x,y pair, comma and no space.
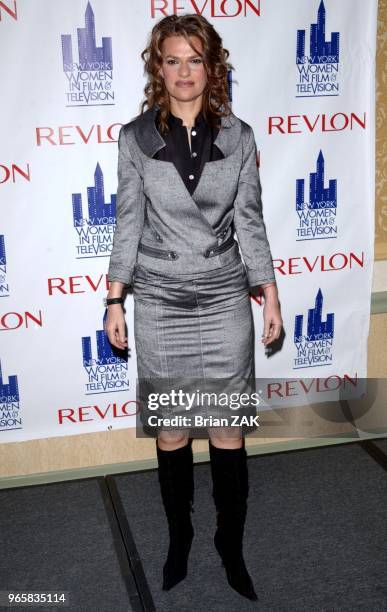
187,179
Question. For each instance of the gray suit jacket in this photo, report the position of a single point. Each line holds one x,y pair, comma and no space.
160,225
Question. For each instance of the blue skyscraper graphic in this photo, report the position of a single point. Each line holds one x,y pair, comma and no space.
105,353
11,390
3,257
88,52
229,85
320,197
320,49
99,211
315,327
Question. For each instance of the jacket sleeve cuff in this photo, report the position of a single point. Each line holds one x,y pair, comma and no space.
122,274
255,277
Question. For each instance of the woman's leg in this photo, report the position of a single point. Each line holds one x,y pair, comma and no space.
175,470
230,491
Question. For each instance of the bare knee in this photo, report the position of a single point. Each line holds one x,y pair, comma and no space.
226,437
172,440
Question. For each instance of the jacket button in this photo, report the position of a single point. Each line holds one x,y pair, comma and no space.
172,254
158,237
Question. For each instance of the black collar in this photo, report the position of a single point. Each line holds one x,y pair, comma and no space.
150,140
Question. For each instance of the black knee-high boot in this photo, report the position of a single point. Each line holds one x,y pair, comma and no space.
230,492
175,470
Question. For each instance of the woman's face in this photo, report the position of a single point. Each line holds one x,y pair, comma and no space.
182,69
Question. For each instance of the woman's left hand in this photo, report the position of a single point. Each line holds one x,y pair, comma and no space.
271,317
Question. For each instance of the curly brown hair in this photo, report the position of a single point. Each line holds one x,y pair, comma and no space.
214,56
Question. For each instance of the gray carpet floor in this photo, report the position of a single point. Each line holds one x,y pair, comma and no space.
57,537
315,536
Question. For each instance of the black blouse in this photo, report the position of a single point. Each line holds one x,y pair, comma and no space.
189,162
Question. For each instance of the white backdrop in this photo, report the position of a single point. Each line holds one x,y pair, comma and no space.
304,79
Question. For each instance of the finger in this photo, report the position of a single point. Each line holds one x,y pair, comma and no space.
272,338
114,342
120,334
269,340
113,337
274,333
276,329
266,329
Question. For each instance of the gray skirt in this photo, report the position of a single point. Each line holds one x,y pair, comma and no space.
194,335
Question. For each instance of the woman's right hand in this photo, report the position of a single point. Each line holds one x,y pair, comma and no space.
115,326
